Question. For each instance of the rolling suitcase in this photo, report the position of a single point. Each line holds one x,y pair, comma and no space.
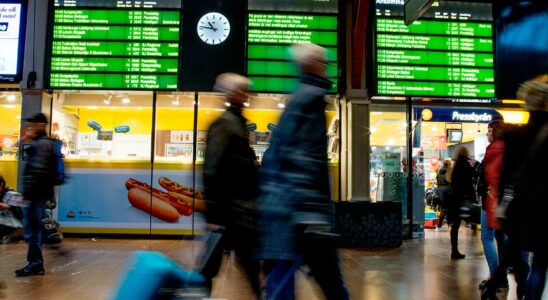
152,275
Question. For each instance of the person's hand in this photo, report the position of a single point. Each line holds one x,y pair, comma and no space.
215,227
4,206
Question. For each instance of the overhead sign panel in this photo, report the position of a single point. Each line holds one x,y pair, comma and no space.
270,35
107,44
447,53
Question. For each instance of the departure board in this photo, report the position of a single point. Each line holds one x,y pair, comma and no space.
446,53
110,44
270,36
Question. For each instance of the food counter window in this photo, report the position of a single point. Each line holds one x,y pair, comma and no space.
388,153
113,125
173,168
10,124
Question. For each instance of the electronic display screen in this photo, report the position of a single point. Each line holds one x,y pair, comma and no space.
12,36
446,53
270,35
454,135
113,44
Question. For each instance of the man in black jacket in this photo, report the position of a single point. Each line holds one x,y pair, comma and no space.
38,189
230,181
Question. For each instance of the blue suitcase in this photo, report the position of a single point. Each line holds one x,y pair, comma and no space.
152,275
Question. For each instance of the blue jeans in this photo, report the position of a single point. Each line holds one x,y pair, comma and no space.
324,267
33,231
537,278
488,237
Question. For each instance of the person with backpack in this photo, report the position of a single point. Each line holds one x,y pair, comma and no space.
443,180
41,173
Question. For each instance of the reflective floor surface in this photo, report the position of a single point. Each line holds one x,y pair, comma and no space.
89,268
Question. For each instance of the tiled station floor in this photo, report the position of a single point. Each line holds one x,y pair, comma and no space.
420,269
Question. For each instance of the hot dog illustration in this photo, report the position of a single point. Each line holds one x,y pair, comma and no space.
152,205
181,203
173,186
186,192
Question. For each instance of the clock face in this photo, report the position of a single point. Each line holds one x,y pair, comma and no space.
213,28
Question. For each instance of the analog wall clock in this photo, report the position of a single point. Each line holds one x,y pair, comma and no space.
213,28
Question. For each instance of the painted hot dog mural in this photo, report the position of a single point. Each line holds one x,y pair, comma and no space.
167,205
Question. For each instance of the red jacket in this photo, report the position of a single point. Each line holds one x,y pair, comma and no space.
493,164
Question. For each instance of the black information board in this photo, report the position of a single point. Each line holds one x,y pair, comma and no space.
269,37
109,44
447,53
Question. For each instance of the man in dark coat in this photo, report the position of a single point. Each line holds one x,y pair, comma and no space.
231,183
524,170
38,184
295,187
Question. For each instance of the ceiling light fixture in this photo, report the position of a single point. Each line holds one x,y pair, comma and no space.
11,98
126,100
175,101
281,105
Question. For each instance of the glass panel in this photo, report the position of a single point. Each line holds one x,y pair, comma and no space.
388,166
107,144
10,124
173,174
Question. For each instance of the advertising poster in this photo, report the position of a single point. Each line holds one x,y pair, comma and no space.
10,17
110,199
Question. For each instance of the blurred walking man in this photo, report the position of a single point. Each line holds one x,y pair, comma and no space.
295,205
231,183
38,183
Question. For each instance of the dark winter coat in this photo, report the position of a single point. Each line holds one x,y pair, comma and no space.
294,171
462,186
527,170
443,187
38,181
230,172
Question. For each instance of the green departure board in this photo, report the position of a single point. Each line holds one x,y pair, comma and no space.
95,45
448,53
270,35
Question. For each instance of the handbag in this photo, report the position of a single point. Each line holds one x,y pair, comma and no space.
509,192
470,211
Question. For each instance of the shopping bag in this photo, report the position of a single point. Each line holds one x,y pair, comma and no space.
9,220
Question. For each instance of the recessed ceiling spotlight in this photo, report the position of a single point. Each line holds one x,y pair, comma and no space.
11,98
281,105
126,100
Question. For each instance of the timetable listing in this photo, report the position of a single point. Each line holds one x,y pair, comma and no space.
452,89
435,73
81,32
436,27
434,42
435,58
123,81
89,48
93,64
113,17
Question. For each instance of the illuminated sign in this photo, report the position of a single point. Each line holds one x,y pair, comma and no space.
461,115
11,39
447,53
270,35
96,45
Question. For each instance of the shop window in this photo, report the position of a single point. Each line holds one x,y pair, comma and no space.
388,165
107,145
10,124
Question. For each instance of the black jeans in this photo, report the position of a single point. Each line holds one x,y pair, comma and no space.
537,279
511,255
33,232
455,225
244,243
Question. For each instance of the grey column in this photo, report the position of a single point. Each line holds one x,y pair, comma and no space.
34,99
358,145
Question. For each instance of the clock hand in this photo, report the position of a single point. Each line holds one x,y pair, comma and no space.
214,29
207,27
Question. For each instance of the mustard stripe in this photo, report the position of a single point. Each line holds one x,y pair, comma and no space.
126,231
